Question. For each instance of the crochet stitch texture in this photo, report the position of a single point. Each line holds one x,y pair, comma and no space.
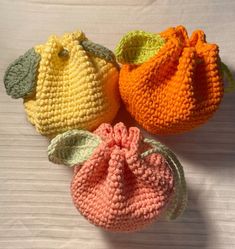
76,85
177,89
127,182
20,76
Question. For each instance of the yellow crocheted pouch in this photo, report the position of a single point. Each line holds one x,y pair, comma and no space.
68,82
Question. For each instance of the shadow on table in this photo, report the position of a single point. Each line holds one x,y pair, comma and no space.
209,145
189,231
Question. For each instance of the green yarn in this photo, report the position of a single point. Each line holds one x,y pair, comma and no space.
72,147
20,76
226,73
136,47
179,201
99,51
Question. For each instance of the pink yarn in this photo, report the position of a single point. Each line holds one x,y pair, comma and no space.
118,190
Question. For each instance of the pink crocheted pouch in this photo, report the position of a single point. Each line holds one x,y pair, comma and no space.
121,182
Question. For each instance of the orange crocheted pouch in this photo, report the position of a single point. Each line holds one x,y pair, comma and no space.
170,82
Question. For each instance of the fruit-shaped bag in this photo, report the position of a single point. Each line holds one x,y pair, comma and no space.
169,82
121,182
69,82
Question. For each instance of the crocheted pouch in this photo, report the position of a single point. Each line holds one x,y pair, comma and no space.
68,82
121,182
169,82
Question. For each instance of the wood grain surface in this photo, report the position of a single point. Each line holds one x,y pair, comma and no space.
35,205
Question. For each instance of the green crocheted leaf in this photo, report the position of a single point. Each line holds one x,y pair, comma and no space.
136,47
20,76
72,147
227,74
98,51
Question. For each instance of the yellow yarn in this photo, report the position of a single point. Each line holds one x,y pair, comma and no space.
75,91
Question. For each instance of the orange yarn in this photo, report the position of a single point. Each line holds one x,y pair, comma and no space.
177,89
